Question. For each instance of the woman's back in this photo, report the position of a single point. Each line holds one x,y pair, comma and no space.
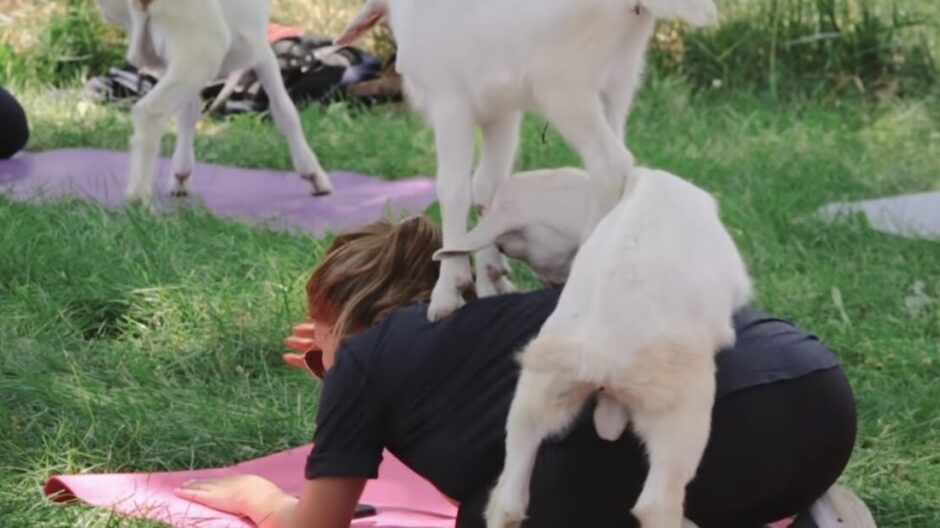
437,394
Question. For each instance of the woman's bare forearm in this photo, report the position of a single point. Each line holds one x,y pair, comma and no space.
276,512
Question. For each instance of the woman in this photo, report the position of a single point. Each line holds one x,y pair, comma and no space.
437,396
14,130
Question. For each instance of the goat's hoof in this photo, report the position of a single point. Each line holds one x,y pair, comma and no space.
136,199
505,285
180,184
446,299
441,308
498,516
491,284
320,184
455,278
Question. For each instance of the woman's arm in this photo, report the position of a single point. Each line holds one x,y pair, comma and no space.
324,503
328,503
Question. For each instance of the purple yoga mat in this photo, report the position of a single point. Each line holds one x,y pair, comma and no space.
275,198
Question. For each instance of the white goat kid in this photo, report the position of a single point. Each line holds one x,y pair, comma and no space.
647,305
481,63
536,217
192,42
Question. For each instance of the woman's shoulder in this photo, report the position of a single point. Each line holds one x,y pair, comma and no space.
412,319
406,334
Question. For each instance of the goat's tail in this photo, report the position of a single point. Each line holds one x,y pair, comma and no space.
231,82
552,353
695,12
370,14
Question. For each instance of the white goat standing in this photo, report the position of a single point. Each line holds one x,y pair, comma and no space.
647,305
192,42
481,63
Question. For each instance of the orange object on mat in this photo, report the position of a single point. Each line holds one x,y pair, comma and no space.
278,32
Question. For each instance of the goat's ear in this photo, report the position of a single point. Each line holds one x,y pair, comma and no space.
371,13
491,227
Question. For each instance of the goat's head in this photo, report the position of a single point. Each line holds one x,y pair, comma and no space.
371,13
536,217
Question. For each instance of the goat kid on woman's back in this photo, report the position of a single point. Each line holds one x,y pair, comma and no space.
646,306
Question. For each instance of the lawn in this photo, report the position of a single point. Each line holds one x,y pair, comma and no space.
132,341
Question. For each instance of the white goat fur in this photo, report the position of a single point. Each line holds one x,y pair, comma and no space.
536,217
482,63
648,303
192,42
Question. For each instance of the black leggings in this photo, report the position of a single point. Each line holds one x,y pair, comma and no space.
774,449
14,131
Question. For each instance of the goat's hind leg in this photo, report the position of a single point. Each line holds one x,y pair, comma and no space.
151,115
184,158
287,119
675,437
579,115
543,405
500,142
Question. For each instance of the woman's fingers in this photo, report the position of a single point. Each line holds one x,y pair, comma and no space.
300,344
239,494
203,491
295,360
306,329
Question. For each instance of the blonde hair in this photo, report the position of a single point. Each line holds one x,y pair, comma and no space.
371,270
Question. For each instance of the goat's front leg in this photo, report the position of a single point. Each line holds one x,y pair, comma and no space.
287,119
543,405
184,158
500,142
150,116
675,438
578,114
453,128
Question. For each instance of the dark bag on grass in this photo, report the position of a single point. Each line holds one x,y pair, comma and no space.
306,77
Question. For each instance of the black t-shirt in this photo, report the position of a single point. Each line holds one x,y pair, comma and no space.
437,395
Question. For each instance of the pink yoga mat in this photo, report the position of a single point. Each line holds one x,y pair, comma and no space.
402,498
280,199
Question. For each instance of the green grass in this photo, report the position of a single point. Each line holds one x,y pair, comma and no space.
130,341
816,47
859,48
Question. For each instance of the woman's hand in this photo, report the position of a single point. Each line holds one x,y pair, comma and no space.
248,495
301,340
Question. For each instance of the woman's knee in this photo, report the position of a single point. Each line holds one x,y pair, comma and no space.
15,130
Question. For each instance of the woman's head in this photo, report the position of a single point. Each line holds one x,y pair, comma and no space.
366,273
